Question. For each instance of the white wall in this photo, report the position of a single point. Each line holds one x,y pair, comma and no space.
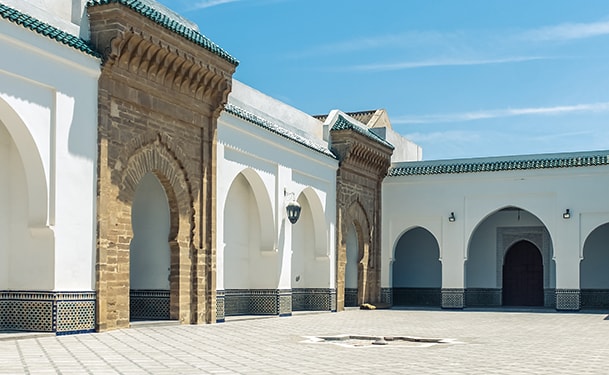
277,170
66,15
149,256
428,200
48,103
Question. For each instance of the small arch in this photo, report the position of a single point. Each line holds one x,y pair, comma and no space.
593,271
249,256
416,269
26,241
265,209
35,175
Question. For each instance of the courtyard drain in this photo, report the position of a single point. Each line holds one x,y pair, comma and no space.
359,341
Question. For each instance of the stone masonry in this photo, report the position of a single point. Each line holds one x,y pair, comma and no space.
160,95
364,162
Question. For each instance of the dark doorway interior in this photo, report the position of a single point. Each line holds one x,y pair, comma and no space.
523,275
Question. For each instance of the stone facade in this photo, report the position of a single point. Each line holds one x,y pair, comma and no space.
160,96
364,162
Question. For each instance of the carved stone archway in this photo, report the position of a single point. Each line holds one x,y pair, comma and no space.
160,86
364,160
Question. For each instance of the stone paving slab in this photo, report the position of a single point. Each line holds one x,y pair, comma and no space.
485,342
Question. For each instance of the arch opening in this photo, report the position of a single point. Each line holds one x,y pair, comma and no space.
26,244
250,268
523,275
594,269
150,251
417,270
310,265
487,249
352,268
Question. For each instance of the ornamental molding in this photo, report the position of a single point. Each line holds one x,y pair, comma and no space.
159,62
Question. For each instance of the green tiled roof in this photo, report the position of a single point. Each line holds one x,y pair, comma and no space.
511,163
45,29
257,120
171,25
344,124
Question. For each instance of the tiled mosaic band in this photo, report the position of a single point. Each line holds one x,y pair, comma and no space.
149,304
483,297
220,306
567,299
313,299
59,312
453,298
417,297
257,302
387,295
594,298
350,297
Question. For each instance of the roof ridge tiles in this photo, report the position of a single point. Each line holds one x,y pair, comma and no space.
171,25
550,161
44,29
274,128
343,124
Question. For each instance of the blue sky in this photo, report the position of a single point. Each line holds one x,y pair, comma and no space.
462,78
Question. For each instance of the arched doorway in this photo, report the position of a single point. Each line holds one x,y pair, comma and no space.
523,275
250,261
417,270
352,267
594,269
488,246
150,254
310,264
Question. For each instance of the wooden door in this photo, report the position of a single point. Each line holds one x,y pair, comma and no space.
523,275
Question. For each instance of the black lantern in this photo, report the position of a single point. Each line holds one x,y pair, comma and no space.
293,209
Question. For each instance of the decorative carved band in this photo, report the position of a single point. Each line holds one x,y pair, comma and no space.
159,62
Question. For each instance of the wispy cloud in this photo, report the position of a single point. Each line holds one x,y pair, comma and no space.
210,3
435,63
395,40
451,136
567,31
497,113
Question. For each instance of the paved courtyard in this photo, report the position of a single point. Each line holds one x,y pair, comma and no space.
479,342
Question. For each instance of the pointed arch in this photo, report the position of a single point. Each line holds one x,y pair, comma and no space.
493,236
157,158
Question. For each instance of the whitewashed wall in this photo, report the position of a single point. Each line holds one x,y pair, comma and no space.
269,171
48,106
542,195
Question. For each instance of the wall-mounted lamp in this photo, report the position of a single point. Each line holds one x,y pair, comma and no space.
292,208
452,218
566,214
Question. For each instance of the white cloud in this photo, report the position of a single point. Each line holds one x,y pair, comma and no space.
210,3
436,63
568,31
497,113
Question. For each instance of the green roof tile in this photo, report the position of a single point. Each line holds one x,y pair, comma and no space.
344,124
263,123
508,163
171,25
47,30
